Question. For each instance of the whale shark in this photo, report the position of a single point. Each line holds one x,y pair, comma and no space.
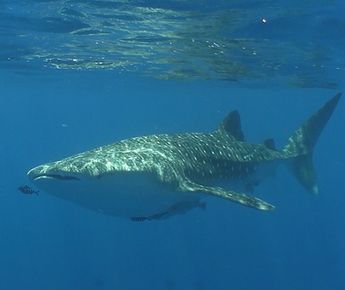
157,176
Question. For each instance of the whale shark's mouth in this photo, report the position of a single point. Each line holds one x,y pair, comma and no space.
55,176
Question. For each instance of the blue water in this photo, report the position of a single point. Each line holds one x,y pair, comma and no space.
58,99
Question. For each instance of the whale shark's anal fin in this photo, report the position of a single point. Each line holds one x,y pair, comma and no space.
241,198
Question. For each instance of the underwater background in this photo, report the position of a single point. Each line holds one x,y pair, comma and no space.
77,74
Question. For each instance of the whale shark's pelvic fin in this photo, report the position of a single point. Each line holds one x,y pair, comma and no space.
177,208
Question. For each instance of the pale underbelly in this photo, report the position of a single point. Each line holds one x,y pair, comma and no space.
126,195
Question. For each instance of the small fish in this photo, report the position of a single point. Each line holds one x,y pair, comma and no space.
27,190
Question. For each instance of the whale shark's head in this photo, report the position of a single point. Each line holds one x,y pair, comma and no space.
77,167
65,178
101,185
52,172
71,170
63,170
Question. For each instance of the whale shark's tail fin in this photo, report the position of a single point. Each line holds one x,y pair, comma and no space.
301,143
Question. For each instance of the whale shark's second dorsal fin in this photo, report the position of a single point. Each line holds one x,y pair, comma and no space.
231,126
270,144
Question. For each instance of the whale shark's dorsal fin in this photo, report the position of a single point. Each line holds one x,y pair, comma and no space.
231,126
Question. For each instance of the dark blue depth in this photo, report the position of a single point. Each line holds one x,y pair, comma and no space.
48,113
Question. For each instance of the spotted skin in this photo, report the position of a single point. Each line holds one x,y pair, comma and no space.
192,162
184,161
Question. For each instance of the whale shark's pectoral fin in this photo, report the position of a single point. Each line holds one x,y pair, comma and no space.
241,198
